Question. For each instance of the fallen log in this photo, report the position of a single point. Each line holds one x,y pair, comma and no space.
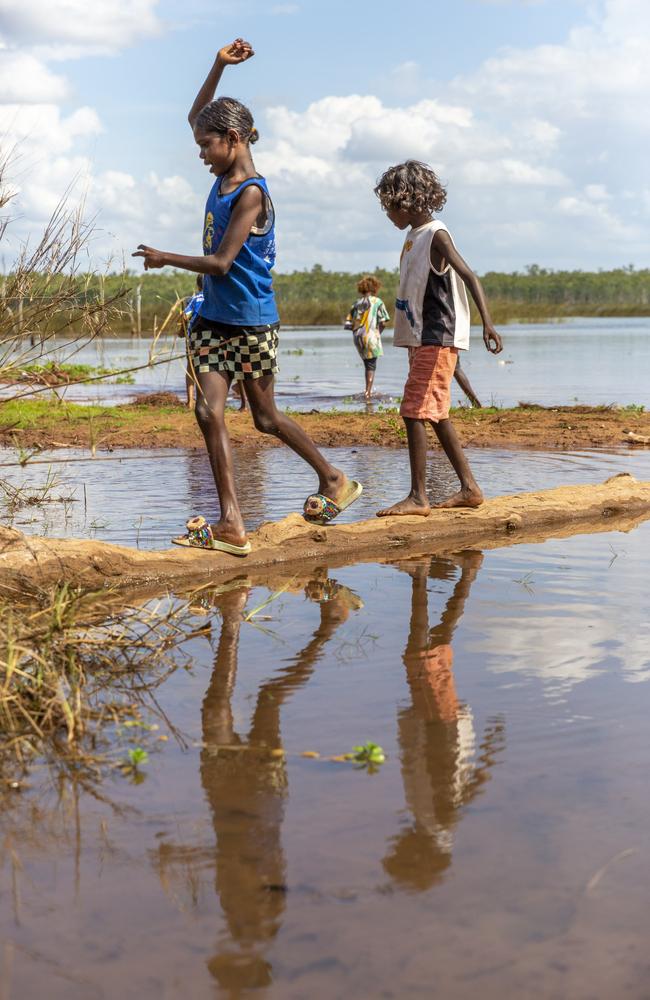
639,439
619,504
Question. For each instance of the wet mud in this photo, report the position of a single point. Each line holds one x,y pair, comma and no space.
164,422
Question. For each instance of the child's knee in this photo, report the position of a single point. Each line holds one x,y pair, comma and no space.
205,415
266,421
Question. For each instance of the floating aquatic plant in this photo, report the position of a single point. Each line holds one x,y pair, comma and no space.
369,755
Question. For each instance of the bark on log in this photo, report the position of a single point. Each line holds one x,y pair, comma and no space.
619,504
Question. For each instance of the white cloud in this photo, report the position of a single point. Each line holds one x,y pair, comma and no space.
540,146
77,25
25,79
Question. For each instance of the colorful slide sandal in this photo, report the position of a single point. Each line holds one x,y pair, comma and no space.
199,536
320,509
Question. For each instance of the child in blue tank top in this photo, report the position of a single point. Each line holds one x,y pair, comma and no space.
235,336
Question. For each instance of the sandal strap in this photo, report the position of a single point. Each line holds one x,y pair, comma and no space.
321,508
199,532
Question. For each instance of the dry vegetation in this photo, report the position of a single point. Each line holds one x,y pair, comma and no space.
74,674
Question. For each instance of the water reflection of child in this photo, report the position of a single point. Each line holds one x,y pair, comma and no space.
246,784
442,768
432,321
367,319
236,336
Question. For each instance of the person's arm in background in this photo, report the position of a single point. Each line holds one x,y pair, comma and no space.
466,385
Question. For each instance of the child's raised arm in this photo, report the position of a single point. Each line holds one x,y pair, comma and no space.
443,246
230,55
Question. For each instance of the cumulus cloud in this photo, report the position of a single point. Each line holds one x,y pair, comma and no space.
25,79
76,25
539,146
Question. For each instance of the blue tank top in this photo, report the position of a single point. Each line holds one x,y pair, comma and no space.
244,296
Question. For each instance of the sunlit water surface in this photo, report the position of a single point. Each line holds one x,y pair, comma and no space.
593,361
143,499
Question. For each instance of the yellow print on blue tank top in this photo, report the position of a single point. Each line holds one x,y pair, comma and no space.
208,232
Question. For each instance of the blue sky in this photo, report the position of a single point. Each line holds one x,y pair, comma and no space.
525,107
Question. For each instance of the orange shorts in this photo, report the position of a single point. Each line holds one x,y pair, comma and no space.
427,393
431,678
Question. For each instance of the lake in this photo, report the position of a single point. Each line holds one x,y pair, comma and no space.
589,361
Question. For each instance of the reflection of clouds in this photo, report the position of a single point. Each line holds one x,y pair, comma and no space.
588,619
563,653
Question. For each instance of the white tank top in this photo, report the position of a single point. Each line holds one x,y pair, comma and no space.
428,297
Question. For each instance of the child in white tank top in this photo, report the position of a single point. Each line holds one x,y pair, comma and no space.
432,321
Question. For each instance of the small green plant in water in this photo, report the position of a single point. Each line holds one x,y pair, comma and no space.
369,755
132,764
136,758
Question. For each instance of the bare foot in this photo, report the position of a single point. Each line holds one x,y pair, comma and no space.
464,498
407,506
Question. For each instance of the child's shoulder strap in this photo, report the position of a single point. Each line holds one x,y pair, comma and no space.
436,226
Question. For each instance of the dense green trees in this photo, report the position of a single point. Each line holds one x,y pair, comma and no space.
320,297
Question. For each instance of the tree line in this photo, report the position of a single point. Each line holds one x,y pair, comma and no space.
315,297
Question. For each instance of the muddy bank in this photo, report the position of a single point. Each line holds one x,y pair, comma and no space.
618,504
161,423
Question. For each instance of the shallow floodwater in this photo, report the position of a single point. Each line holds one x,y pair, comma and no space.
143,500
501,849
592,361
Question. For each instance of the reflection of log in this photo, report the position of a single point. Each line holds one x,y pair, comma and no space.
618,504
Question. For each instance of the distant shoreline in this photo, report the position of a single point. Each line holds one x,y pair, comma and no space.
133,303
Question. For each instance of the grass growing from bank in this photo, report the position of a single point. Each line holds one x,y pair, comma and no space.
77,678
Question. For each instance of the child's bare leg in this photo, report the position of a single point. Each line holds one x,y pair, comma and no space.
239,391
212,392
370,378
417,501
189,390
469,494
269,420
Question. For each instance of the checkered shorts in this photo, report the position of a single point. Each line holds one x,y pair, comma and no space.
251,354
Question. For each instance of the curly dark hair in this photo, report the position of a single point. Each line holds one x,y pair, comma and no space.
368,285
412,187
227,113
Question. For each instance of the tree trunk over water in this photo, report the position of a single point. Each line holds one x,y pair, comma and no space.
619,504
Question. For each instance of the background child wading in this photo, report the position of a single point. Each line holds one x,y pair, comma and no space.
432,322
367,319
235,336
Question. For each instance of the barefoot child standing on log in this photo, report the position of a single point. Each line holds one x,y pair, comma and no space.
432,321
235,336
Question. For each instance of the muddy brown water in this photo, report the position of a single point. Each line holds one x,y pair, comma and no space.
501,849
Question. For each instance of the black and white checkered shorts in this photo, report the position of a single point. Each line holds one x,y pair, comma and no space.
251,354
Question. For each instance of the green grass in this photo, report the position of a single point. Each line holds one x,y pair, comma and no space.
75,372
25,414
